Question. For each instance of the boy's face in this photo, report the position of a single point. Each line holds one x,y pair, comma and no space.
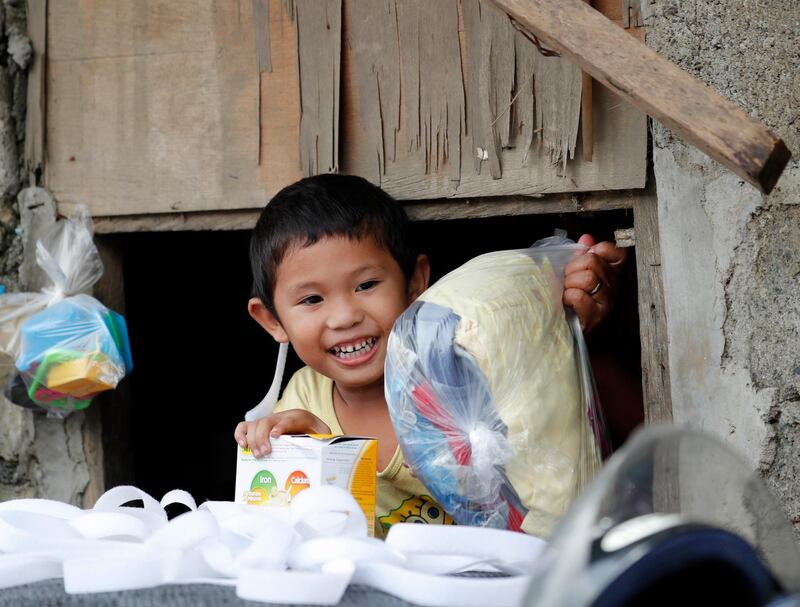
337,301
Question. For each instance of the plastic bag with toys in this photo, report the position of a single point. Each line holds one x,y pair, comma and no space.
67,347
491,392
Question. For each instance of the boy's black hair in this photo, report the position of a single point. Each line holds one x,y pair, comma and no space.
324,206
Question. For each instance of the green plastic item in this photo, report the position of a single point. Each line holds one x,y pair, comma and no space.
37,389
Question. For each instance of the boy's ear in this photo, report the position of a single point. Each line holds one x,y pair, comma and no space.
420,278
267,319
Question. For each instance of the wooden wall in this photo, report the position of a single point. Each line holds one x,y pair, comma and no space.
157,106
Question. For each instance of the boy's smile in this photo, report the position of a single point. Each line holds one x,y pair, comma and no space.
355,352
337,300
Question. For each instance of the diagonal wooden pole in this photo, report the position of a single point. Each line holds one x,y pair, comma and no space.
656,86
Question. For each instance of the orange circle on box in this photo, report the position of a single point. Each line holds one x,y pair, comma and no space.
296,482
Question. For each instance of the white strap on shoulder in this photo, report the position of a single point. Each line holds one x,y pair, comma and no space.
269,401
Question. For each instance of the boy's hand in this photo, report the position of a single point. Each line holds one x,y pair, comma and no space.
256,435
590,281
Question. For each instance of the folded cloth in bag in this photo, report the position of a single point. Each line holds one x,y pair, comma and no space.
490,391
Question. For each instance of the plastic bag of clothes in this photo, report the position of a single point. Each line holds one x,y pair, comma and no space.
491,394
67,346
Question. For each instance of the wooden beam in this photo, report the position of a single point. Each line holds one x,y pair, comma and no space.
176,222
656,86
652,310
518,205
429,210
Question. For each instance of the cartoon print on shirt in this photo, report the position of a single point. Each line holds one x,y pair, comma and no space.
417,509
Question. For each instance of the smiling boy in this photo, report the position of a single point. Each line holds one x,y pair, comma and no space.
333,267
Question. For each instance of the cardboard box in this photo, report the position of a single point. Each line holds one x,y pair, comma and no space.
298,462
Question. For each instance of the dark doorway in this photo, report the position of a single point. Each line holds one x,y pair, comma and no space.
201,362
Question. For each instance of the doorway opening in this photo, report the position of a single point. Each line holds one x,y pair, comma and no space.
201,362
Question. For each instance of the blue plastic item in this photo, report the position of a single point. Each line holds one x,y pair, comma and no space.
79,323
78,328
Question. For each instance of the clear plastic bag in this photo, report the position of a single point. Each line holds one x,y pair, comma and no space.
66,346
491,393
674,517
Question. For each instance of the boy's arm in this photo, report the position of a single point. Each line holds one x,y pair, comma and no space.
256,435
590,281
290,416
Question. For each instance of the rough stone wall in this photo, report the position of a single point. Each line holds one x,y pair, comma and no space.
731,257
13,63
39,456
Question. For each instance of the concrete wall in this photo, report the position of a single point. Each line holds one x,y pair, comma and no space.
731,257
38,456
12,134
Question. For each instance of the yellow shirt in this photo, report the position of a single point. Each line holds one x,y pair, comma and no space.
401,497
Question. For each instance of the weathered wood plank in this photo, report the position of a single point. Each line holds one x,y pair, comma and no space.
92,431
652,310
319,39
587,124
611,9
155,106
527,144
107,434
279,115
261,33
518,205
630,14
656,86
159,107
470,208
37,88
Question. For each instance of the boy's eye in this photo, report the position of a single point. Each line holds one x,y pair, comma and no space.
365,286
310,300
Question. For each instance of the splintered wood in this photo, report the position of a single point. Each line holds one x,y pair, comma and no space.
197,105
319,50
449,99
678,100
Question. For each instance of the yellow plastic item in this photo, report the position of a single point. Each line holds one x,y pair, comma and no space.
83,376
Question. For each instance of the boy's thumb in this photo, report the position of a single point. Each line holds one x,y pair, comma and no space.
586,240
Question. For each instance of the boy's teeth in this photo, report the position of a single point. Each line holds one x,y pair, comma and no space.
354,349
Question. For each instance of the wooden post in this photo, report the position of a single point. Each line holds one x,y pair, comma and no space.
652,309
656,86
106,432
655,345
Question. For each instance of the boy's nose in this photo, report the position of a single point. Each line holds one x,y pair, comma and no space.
343,315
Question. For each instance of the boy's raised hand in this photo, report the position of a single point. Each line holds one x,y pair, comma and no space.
590,281
255,435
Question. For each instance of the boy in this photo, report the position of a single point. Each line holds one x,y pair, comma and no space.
333,267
